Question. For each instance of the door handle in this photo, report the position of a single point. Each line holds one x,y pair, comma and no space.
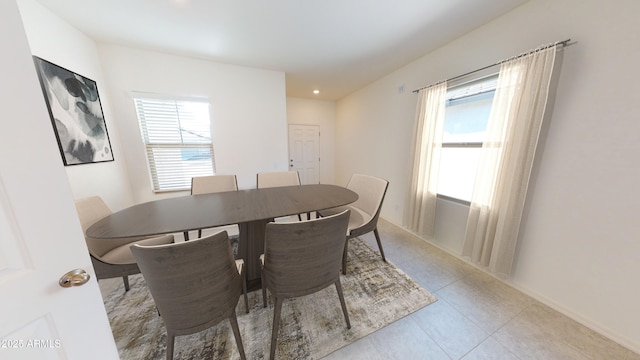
76,277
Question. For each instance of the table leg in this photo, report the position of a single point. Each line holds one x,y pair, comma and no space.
251,246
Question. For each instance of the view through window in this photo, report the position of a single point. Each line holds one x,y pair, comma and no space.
466,116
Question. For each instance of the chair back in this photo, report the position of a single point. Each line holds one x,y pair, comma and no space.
194,284
213,184
301,258
276,179
370,190
91,210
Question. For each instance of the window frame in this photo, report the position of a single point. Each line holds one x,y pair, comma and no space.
153,159
493,77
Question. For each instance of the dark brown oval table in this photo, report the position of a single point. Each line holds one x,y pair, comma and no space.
251,209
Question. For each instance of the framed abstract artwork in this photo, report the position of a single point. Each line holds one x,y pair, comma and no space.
76,114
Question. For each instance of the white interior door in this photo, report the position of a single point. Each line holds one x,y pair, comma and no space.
304,152
40,235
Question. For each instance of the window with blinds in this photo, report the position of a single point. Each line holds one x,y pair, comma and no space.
177,136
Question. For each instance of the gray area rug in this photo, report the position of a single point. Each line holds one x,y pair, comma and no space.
313,326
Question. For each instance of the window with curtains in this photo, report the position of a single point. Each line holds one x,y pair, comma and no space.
177,137
465,122
509,138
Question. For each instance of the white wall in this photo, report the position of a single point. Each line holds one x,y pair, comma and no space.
321,113
373,136
56,41
248,110
248,107
579,250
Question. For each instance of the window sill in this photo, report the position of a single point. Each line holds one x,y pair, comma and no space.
454,200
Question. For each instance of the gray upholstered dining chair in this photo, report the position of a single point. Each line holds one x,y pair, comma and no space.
278,178
195,285
301,258
111,258
364,212
212,184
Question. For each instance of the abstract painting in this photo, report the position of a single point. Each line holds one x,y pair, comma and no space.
76,113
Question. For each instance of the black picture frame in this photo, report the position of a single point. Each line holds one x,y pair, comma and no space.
76,114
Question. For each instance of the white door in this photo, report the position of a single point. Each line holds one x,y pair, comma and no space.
40,235
304,152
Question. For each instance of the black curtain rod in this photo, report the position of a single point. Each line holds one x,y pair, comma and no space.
563,43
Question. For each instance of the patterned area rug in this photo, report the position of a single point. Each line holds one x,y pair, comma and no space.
313,326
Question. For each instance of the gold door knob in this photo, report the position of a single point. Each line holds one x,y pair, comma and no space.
77,277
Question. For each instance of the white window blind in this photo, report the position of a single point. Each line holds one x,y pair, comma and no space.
177,136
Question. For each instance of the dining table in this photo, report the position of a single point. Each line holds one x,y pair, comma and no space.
250,209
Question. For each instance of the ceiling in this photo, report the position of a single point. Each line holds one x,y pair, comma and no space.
335,46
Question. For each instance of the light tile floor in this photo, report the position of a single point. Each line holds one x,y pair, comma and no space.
475,317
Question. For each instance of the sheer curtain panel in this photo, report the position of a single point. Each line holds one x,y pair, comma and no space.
421,205
507,157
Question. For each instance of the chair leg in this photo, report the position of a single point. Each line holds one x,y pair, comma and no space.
126,282
264,289
344,257
170,341
244,288
199,233
342,303
299,217
236,333
375,232
276,326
